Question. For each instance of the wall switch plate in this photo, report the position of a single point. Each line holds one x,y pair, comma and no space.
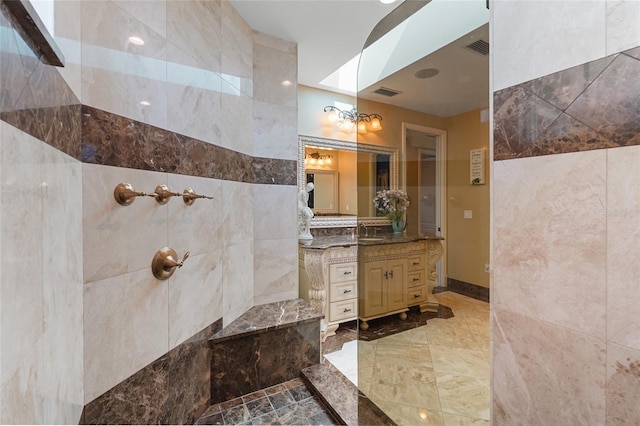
468,214
487,268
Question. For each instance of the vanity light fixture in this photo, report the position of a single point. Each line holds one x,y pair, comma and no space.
348,120
315,158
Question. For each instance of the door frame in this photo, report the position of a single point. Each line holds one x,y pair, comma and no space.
441,177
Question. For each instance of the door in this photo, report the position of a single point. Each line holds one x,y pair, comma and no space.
396,284
427,194
373,294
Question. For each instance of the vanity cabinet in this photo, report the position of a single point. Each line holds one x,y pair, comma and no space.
384,288
394,277
329,282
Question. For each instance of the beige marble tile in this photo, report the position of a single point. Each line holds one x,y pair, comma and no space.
270,41
121,92
275,270
400,354
623,31
550,239
453,333
237,208
275,131
193,97
275,213
68,34
152,13
520,59
21,282
195,296
203,40
125,328
20,399
199,227
236,120
538,367
61,234
623,243
116,74
270,68
408,415
464,362
454,420
238,277
623,377
475,402
108,24
237,47
130,232
62,383
405,384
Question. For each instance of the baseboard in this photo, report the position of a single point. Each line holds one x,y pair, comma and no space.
467,289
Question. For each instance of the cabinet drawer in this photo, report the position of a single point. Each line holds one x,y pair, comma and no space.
344,310
343,291
416,263
417,295
415,278
341,272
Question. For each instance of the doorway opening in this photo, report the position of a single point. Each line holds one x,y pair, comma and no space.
424,179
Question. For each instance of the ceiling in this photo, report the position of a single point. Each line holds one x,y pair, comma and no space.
331,32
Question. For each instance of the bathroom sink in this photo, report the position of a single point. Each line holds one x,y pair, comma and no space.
371,239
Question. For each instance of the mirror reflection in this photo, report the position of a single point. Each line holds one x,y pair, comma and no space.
342,172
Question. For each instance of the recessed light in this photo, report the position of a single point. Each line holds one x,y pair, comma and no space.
136,40
287,83
387,1
145,103
427,73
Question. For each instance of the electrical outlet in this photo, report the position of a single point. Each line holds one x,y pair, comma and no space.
468,214
487,268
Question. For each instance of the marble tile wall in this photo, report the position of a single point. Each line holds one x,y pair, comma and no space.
198,130
41,379
564,212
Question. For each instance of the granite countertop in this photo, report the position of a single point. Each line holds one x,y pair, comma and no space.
325,242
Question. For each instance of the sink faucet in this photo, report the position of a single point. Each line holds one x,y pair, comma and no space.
366,230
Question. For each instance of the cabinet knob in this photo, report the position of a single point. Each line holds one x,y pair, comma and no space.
346,273
416,279
416,295
416,263
346,310
346,291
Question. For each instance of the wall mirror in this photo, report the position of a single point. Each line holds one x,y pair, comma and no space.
350,173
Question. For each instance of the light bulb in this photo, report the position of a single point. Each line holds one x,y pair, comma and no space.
375,124
362,127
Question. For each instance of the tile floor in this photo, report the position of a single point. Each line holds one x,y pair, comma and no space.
289,403
436,374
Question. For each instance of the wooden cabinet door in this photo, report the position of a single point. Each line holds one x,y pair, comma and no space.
396,284
373,295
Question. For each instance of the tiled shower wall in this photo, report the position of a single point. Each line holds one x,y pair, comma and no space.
565,212
81,311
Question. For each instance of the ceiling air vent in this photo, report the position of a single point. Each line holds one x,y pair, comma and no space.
384,91
480,46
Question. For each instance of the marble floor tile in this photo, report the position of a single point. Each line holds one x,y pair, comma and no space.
436,374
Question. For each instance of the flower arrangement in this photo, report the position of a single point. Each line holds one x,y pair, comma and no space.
392,203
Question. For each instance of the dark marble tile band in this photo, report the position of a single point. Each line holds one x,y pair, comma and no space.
587,107
174,389
467,289
37,100
113,140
